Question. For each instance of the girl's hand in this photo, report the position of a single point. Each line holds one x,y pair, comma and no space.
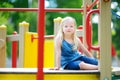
56,68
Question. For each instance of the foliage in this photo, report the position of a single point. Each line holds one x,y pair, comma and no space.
116,27
63,4
5,19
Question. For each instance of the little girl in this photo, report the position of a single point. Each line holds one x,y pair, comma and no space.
66,49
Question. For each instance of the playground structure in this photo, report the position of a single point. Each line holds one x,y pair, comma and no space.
29,59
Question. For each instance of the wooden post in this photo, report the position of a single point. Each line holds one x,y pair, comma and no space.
57,22
105,39
23,27
2,46
85,4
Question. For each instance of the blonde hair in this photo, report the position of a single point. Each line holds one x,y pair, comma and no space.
60,34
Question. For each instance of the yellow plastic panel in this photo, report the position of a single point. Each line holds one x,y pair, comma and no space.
31,50
50,77
30,55
71,77
17,76
49,53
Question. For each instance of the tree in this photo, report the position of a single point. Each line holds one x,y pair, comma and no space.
116,26
62,4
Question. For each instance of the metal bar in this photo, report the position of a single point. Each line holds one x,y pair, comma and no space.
47,9
14,52
18,9
41,24
49,36
79,34
89,29
92,5
63,10
45,37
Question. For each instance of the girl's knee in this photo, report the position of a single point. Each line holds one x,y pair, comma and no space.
81,65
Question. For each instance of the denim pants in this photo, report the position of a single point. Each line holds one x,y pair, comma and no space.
74,65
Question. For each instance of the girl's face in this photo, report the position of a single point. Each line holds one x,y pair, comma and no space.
69,28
